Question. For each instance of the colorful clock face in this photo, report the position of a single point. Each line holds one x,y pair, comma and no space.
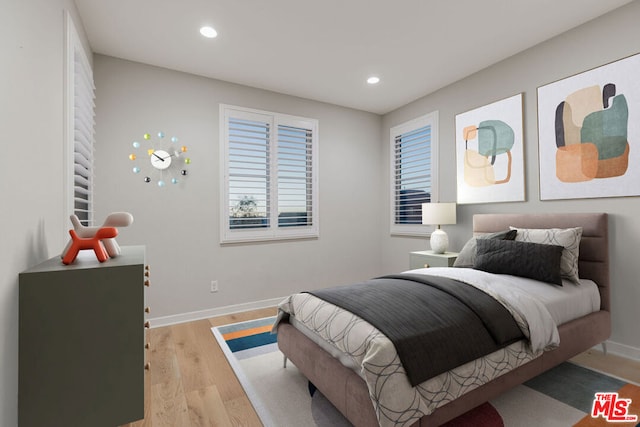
159,160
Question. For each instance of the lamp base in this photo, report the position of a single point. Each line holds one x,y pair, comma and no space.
439,241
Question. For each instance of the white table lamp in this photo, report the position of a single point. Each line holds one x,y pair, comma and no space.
438,214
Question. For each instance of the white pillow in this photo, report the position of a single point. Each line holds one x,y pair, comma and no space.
568,238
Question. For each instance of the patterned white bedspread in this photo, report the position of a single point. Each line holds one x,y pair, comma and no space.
374,358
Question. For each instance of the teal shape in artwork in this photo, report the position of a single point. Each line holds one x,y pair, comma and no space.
607,129
494,137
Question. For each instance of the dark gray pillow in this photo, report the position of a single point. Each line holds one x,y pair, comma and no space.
467,256
533,260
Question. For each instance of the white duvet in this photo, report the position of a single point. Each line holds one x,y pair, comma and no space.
366,350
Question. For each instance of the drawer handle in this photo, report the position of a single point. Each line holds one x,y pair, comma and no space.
146,274
147,366
147,346
147,283
147,310
147,324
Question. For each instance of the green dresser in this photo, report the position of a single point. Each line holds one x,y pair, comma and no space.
81,343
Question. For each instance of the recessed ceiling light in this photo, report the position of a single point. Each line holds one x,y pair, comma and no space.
373,80
208,32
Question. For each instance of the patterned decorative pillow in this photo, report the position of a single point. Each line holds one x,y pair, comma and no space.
533,260
467,256
568,238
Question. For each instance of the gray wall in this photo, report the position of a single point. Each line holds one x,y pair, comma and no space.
180,224
31,119
601,41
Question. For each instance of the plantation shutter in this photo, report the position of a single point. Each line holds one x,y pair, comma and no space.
295,172
79,123
269,176
83,139
413,154
249,178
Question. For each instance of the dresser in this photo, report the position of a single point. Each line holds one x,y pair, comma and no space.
82,343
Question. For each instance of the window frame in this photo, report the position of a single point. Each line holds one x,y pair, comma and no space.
430,119
272,231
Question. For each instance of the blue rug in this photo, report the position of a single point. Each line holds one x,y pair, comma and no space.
561,397
248,335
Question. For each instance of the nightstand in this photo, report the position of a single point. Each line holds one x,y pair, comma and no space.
423,259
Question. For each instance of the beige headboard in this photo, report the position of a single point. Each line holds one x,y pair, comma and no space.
594,245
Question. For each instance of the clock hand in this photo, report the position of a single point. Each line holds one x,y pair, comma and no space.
158,157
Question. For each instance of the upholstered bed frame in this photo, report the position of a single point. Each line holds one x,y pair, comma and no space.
348,391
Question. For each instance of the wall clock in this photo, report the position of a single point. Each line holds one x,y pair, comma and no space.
160,160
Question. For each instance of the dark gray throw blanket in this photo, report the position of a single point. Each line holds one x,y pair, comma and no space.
435,323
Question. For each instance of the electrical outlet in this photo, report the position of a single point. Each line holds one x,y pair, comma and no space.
214,286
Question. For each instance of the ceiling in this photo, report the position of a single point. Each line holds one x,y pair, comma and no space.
325,49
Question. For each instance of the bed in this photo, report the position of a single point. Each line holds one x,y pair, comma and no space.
357,395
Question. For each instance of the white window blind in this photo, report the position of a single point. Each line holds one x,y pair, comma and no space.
80,123
84,123
413,169
269,182
295,173
249,176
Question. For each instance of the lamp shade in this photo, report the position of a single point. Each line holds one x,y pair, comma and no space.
438,213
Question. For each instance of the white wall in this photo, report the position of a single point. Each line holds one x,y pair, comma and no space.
31,119
180,224
601,41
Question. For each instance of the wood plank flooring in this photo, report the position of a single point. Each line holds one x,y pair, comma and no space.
617,366
191,384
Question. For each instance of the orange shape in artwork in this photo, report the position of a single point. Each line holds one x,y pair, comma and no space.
470,132
615,166
577,162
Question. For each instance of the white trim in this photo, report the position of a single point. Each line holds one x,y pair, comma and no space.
71,37
621,350
213,312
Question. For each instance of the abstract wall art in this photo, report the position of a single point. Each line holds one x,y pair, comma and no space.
589,133
490,153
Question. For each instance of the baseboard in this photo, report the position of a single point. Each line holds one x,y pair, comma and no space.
218,311
622,350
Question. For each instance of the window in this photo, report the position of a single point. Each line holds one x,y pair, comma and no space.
413,172
269,175
79,129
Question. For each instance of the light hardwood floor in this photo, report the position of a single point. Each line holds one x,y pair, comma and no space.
191,384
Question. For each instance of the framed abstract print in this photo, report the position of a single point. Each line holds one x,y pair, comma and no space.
589,133
490,153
